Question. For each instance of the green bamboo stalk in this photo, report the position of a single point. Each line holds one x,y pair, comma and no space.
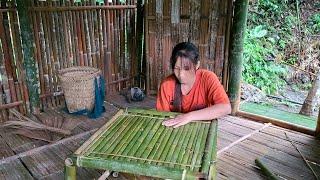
135,168
236,52
265,170
119,128
128,138
119,140
148,139
70,170
185,134
200,146
173,148
173,138
116,137
136,142
196,147
209,160
191,143
108,132
159,146
155,140
191,133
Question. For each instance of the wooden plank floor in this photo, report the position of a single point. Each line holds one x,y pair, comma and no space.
23,158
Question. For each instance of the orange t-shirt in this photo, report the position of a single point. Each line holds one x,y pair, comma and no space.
206,91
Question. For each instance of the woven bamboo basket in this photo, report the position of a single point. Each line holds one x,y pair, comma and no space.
78,87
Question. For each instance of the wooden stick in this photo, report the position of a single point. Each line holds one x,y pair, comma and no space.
304,159
241,139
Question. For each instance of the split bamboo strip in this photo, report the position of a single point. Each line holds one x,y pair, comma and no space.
9,88
118,136
139,137
157,138
200,147
92,50
107,135
115,135
191,143
38,49
128,138
173,138
79,37
184,147
16,46
94,138
196,146
209,160
158,148
145,143
83,37
48,57
66,18
174,150
87,36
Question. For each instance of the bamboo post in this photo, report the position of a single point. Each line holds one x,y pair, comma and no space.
28,59
318,126
70,170
236,52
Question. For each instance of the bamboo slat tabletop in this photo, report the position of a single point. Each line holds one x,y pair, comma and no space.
135,141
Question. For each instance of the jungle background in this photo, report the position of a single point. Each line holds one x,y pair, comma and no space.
281,55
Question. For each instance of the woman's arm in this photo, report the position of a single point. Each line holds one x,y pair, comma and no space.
209,113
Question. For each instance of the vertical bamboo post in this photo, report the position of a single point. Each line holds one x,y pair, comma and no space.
70,170
28,59
236,52
318,126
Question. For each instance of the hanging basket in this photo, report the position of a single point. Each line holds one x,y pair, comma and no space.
78,87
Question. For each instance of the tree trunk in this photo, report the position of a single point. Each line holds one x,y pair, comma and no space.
309,102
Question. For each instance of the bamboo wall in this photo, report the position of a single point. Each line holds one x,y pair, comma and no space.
13,90
84,34
203,22
66,34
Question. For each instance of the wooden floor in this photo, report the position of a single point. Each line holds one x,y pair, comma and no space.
23,158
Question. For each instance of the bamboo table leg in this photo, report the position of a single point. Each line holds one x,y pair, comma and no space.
70,170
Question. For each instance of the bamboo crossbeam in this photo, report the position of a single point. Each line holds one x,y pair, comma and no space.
81,8
10,105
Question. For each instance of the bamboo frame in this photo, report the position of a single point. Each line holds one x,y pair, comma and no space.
78,8
154,151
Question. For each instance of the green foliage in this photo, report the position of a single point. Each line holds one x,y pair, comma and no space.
270,38
258,69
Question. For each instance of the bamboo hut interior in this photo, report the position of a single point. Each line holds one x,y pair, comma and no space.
130,42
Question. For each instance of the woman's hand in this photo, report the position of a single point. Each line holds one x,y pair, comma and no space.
179,120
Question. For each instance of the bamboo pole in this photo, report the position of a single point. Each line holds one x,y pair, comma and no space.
29,61
236,52
70,170
87,36
79,37
188,155
201,152
191,133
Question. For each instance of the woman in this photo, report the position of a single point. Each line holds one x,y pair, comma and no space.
197,93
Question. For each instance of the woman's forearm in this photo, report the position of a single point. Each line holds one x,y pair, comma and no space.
209,113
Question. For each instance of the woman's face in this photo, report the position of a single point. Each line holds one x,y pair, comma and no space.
184,70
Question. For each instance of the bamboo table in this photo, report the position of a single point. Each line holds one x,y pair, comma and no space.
134,141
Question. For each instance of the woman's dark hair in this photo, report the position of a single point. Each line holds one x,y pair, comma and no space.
184,50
